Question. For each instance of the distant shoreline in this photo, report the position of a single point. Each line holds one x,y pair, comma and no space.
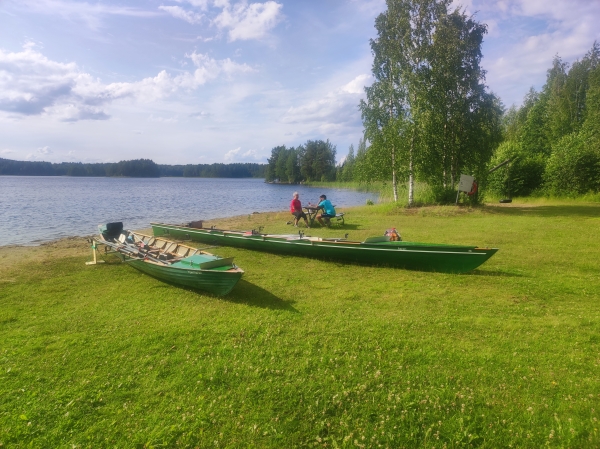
139,177
137,168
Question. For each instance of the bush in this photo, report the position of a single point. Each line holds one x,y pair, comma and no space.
574,166
442,195
523,176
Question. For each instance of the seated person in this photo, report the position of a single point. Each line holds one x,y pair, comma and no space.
296,210
328,210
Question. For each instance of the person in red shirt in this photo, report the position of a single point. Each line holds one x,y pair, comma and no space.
296,210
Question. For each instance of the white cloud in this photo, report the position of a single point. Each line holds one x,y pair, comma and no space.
236,155
248,21
91,14
563,11
334,110
40,153
221,3
357,85
71,156
525,35
44,150
202,4
31,84
200,115
180,13
7,151
173,119
370,7
209,68
243,21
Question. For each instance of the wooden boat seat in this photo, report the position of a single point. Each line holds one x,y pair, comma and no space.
159,243
182,251
169,248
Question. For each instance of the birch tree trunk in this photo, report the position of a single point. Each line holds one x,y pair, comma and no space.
394,179
411,171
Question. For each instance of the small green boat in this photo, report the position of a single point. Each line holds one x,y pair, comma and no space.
170,261
373,251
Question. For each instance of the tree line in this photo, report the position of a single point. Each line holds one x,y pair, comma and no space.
553,139
428,116
138,168
313,161
234,170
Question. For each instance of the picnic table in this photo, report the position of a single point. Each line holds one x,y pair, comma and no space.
311,213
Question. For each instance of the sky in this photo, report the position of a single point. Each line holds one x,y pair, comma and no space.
205,81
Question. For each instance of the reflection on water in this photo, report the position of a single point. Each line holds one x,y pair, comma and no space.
34,209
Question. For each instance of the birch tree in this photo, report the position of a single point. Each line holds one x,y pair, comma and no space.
463,121
392,111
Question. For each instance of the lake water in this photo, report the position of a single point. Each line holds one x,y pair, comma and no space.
36,209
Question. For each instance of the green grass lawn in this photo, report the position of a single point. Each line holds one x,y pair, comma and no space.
308,353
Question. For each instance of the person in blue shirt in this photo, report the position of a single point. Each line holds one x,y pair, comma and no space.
327,207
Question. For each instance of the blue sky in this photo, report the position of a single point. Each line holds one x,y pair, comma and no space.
203,81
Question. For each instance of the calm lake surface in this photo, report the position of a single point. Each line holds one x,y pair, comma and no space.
36,209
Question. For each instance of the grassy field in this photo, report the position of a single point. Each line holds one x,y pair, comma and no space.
307,353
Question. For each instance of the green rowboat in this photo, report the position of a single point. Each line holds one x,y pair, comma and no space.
373,251
170,261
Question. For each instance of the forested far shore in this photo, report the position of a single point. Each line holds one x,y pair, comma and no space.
138,168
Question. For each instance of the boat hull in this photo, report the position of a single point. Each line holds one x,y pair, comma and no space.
169,261
407,255
215,282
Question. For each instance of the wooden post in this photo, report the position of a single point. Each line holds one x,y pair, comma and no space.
95,261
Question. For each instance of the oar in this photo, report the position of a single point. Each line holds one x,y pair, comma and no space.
125,248
132,260
136,251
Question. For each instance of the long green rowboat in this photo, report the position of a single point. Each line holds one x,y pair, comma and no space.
171,262
373,251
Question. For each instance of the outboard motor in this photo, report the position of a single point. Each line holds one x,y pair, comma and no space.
111,231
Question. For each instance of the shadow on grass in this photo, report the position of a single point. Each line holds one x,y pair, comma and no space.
345,227
495,273
590,211
333,227
243,293
246,293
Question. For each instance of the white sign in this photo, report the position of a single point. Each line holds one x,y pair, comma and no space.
466,183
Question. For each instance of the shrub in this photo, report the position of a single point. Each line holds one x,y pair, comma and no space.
524,175
442,195
574,166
